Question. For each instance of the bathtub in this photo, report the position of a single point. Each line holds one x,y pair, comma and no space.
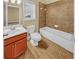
65,40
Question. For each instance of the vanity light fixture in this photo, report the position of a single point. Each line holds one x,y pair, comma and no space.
6,1
13,1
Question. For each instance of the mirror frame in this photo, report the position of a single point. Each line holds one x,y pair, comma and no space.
6,13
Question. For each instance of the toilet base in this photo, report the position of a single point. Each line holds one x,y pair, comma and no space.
33,43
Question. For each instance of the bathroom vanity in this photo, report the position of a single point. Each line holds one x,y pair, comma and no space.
15,36
15,43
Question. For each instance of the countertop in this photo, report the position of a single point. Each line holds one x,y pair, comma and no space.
13,32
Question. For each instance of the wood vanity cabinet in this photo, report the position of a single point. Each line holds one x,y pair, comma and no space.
15,46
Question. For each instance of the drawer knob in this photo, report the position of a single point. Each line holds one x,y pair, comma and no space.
13,46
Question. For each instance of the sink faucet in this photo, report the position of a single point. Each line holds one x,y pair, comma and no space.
13,28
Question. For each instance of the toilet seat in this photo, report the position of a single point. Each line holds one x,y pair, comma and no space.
35,36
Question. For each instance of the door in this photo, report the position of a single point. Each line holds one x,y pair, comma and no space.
9,51
20,47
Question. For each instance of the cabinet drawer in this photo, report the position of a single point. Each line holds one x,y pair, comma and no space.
14,38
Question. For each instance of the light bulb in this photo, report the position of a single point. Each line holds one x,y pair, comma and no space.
41,8
6,1
45,9
13,1
18,1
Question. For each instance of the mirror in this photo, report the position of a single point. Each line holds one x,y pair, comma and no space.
13,15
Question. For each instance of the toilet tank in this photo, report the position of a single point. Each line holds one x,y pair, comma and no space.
31,28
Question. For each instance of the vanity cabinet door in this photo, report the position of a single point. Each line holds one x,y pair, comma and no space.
9,51
20,47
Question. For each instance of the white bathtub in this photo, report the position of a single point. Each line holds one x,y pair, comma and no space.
65,40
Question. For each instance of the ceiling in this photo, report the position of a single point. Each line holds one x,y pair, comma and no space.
43,1
48,1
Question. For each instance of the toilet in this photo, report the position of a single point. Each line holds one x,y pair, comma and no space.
35,37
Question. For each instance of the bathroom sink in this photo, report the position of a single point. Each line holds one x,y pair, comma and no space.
12,31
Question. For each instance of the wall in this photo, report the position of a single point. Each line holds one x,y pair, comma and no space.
24,21
4,15
42,15
61,13
35,22
11,15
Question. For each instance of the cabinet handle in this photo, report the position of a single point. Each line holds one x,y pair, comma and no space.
13,46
